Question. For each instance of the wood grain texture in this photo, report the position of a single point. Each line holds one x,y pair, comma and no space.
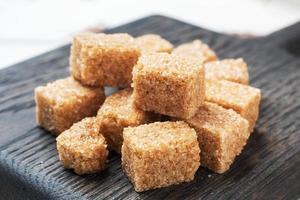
268,167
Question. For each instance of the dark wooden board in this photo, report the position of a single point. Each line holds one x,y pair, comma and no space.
268,168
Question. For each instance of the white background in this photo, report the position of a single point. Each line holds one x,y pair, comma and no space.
31,27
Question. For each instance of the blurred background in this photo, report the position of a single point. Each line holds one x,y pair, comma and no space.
31,27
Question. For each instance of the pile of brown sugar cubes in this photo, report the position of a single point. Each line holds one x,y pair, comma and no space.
178,108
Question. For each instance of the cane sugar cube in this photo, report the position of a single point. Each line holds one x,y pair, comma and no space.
153,43
196,49
222,134
64,102
103,59
168,84
118,112
234,70
82,148
243,99
160,154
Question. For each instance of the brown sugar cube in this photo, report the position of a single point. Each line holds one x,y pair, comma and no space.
116,113
160,154
64,102
222,134
103,59
234,70
82,147
168,84
196,49
243,99
153,43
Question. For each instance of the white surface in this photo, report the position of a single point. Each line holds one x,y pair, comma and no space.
30,27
